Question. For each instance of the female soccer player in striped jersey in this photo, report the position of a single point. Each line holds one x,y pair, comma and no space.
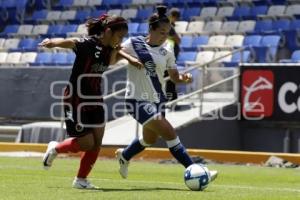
145,98
83,103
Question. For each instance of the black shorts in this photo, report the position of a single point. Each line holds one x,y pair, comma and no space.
80,125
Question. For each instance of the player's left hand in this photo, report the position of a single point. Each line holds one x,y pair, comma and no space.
187,77
135,62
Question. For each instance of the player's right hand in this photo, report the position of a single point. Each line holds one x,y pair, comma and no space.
46,43
135,62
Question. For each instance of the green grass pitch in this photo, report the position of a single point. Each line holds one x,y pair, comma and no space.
24,178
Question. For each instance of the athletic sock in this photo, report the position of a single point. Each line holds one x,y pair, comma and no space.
137,146
179,152
87,162
68,145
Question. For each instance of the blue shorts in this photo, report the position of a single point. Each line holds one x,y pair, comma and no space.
144,111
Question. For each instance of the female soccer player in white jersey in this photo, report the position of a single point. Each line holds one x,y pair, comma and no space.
145,98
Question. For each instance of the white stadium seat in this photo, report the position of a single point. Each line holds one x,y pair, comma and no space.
80,3
225,11
3,56
53,15
25,29
212,26
139,2
11,43
180,26
2,41
28,57
230,26
234,40
219,54
204,56
208,12
293,10
195,27
94,2
40,29
276,10
216,40
114,12
13,57
129,13
247,25
68,15
153,2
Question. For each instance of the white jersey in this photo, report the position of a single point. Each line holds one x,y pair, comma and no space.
140,82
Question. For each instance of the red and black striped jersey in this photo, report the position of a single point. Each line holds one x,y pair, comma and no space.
92,59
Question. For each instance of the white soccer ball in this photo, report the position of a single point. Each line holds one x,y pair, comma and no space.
197,177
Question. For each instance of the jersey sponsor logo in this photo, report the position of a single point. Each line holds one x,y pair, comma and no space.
149,108
98,67
150,68
257,93
163,51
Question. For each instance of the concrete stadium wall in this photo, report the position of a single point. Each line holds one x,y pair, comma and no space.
25,92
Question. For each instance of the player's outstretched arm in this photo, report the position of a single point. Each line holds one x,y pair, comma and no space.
68,43
180,78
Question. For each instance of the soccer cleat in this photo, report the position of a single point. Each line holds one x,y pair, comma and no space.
83,183
123,170
50,155
213,175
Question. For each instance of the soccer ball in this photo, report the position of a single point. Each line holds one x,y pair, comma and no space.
197,177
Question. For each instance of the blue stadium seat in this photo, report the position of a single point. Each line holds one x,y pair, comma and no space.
200,40
143,28
296,56
10,29
97,13
37,16
186,56
70,28
252,40
241,11
71,58
280,25
295,24
28,44
258,10
43,58
186,42
263,26
188,13
144,14
10,4
133,28
292,39
82,16
55,30
60,58
62,4
236,57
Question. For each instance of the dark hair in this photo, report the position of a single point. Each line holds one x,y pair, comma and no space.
96,26
160,17
175,12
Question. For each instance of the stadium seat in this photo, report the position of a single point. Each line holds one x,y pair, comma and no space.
71,58
208,12
11,43
180,26
200,40
114,12
61,4
230,26
241,11
82,15
53,15
236,57
293,10
25,29
195,27
144,14
189,13
97,13
139,2
246,26
13,57
281,25
276,10
143,28
10,29
129,13
43,58
3,56
28,44
234,40
186,42
296,56
216,40
186,56
212,26
271,41
204,57
40,29
252,40
55,30
263,26
80,3
28,57
258,10
225,11
133,28
70,28
220,54
59,58
38,15
93,3
2,41
68,15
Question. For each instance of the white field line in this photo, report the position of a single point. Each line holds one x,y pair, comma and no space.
244,187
